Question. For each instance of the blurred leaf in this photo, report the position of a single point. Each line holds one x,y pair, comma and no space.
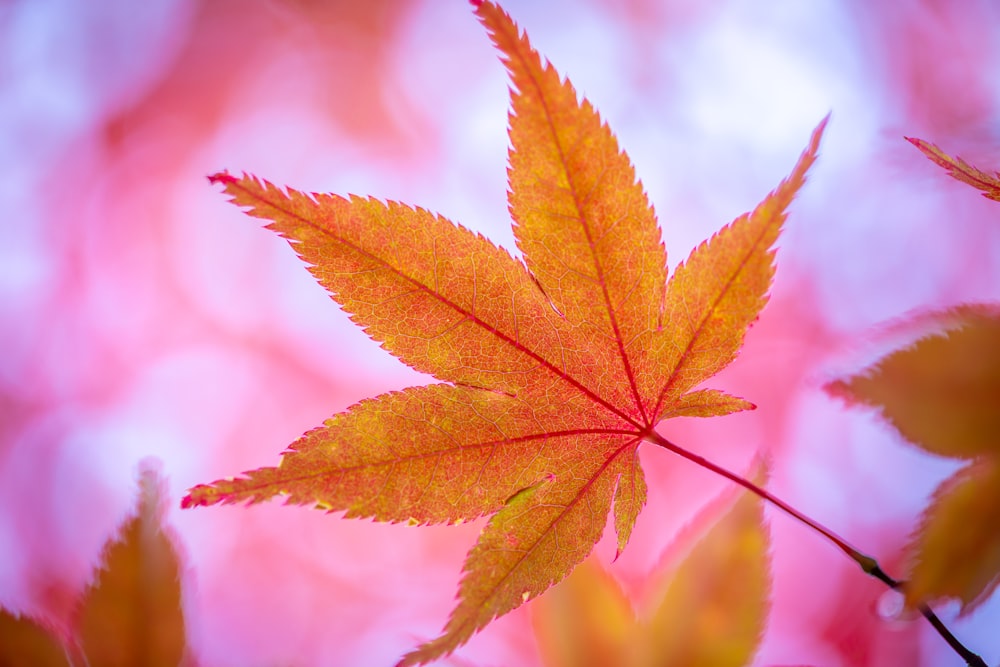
25,643
555,370
132,614
715,605
961,170
585,621
943,395
957,546
709,609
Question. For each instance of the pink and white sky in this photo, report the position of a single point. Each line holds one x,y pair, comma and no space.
141,315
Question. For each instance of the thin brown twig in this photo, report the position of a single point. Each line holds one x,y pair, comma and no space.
868,564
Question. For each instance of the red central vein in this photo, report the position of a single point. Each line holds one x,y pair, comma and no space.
447,450
958,167
981,180
701,326
582,219
447,302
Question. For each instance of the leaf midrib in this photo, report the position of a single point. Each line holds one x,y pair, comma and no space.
586,391
582,219
751,251
436,453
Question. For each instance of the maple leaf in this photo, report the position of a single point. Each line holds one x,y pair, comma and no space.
556,369
708,607
943,395
24,642
961,170
130,615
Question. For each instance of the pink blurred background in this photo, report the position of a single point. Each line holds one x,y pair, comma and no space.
142,315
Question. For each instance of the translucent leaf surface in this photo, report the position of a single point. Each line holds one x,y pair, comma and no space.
943,395
557,368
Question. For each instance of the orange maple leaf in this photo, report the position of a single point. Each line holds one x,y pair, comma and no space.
943,395
555,369
961,170
28,642
130,615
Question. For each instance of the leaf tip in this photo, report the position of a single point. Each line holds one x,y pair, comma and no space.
837,389
223,177
135,586
414,658
201,495
932,152
817,133
848,392
826,121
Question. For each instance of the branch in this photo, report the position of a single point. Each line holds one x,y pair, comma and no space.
868,564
